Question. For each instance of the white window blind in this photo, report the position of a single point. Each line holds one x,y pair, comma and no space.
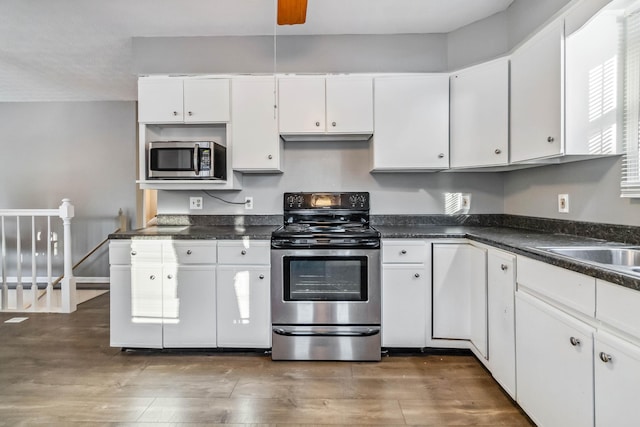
630,184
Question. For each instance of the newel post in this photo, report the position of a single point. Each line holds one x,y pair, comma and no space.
68,282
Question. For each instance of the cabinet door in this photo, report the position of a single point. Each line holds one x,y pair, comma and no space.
617,381
501,280
536,96
136,306
160,100
480,115
554,364
411,123
459,293
206,100
301,102
349,104
244,307
256,143
405,305
189,306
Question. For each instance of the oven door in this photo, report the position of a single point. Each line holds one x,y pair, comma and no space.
325,286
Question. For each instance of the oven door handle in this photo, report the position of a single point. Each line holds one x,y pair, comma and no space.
369,332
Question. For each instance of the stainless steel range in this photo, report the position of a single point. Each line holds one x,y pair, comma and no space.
325,279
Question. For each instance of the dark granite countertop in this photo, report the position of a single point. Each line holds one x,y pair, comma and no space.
519,241
199,232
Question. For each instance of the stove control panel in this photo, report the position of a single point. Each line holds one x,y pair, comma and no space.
352,201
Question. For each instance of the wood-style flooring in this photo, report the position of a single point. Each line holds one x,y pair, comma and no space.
58,369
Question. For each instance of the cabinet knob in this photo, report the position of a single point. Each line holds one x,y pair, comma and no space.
152,277
190,113
606,358
550,139
403,252
134,253
441,156
189,252
503,267
169,276
175,113
270,157
261,276
498,151
574,341
317,124
416,275
243,252
333,124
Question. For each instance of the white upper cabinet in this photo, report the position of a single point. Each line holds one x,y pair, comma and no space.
319,105
536,96
411,116
177,100
480,115
256,143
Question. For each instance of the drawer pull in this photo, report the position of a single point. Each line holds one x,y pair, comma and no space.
169,276
243,252
606,358
189,252
416,275
503,267
574,341
261,276
134,253
152,277
403,252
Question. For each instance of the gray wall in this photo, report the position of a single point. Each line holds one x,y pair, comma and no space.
344,166
84,151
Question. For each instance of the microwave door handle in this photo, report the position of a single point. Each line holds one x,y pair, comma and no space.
196,159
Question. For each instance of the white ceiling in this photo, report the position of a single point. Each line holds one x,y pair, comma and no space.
61,50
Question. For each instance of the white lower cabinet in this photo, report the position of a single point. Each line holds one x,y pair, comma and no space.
501,284
460,294
554,364
244,294
405,293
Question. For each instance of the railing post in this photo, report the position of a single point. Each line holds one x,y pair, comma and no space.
69,282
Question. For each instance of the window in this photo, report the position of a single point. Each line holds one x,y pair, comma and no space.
630,184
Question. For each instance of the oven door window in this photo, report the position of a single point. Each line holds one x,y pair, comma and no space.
172,159
325,278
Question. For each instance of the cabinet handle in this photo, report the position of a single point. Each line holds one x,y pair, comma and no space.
317,124
503,267
189,252
498,151
270,157
243,252
333,124
134,253
403,252
175,113
574,341
169,276
152,277
441,156
190,113
606,358
550,139
261,276
416,275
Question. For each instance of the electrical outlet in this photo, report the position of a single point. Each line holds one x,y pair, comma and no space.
465,201
195,202
248,203
563,203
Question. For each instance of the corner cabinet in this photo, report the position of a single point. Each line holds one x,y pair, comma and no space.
325,105
411,116
480,115
254,125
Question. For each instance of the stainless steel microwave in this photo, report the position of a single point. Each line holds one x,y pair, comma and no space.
186,160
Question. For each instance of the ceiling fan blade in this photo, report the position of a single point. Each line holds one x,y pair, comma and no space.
291,12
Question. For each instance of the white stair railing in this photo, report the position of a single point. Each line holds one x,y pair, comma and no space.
67,302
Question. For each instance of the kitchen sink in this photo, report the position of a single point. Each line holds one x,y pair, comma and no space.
623,259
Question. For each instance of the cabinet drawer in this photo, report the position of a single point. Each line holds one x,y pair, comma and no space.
120,252
618,307
189,252
567,287
404,251
135,251
244,252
